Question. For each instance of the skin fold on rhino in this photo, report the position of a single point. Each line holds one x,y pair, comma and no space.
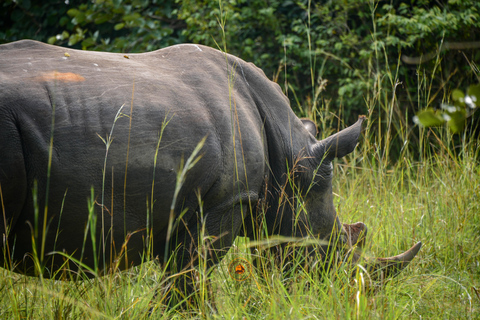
103,139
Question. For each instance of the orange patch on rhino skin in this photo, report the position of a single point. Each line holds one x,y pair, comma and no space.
60,76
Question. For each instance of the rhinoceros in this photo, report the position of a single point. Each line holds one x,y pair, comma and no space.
105,154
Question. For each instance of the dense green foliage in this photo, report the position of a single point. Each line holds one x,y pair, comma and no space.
325,51
126,26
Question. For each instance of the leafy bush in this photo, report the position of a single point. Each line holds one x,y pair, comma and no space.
453,115
125,26
31,19
110,25
351,57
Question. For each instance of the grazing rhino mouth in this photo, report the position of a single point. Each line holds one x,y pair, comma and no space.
356,234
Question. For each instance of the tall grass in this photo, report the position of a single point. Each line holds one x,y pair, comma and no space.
435,201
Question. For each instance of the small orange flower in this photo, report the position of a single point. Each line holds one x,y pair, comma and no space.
239,269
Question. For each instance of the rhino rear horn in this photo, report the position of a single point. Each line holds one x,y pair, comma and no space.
390,267
341,143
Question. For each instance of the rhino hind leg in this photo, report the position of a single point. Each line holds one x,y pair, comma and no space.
13,186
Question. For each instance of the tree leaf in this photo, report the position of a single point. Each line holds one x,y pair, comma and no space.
73,12
473,92
458,97
88,42
79,18
456,121
429,118
74,38
119,26
131,17
102,18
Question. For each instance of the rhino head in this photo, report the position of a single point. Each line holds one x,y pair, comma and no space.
319,218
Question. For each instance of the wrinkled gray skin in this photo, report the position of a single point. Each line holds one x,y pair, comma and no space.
251,136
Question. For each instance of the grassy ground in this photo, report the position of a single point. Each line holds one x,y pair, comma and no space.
435,201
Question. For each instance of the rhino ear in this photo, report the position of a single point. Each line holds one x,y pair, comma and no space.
310,126
340,144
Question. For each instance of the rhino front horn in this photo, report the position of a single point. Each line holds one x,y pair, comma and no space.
390,267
